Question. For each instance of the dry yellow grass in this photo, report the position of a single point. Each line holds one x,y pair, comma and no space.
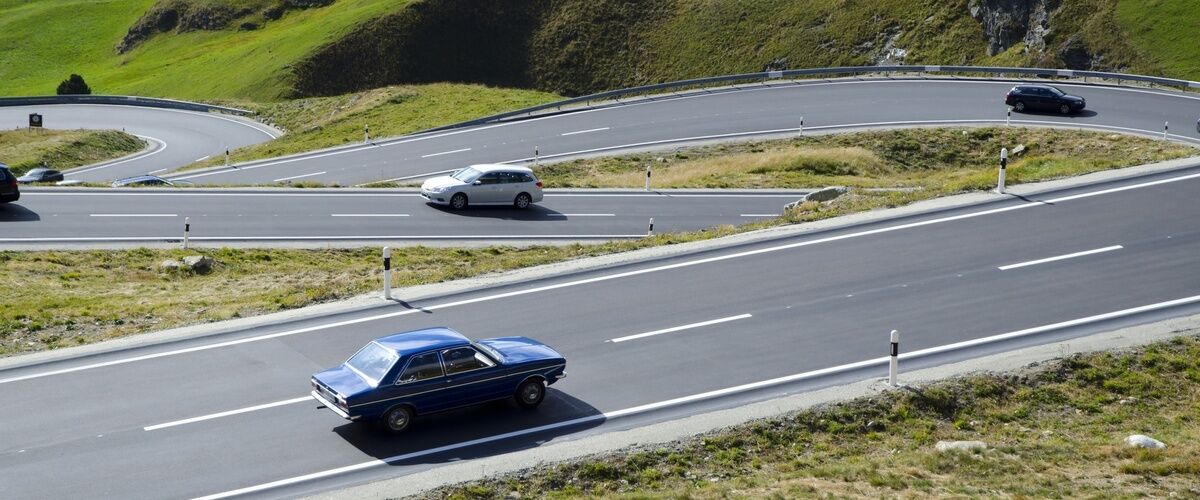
757,168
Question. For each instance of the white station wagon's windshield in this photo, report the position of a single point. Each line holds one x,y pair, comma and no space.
372,362
467,175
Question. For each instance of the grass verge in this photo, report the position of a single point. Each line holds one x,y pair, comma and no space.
28,148
1053,431
61,298
939,159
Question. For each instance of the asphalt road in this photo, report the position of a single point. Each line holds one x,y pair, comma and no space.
50,217
120,424
175,138
770,110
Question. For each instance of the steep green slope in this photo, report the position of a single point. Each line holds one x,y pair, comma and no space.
1167,30
45,41
268,50
579,46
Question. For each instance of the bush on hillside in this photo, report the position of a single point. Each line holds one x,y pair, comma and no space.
74,85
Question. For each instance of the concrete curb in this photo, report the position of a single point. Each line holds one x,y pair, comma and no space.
564,449
423,292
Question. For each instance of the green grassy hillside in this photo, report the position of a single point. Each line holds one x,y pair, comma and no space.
269,50
43,42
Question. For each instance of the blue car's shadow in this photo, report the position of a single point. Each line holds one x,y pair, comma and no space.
11,212
507,212
476,431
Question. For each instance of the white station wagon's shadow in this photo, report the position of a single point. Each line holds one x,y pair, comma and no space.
559,414
505,212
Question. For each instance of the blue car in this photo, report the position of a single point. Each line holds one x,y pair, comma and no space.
395,378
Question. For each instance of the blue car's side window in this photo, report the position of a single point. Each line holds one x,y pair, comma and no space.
464,359
421,367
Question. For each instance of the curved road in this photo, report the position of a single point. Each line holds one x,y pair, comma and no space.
227,414
175,138
767,110
55,217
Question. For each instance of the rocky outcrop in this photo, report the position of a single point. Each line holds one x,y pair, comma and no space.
190,15
1008,22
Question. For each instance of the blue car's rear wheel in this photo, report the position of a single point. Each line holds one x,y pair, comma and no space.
530,393
396,420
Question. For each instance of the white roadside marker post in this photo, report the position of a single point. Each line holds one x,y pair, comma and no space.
387,273
894,363
366,133
536,156
650,231
226,157
1003,167
647,177
187,228
1166,126
801,126
1008,118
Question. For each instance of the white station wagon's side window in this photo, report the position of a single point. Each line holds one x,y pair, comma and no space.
421,367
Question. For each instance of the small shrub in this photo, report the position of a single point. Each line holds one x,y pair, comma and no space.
74,85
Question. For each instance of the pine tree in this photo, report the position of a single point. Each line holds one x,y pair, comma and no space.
74,85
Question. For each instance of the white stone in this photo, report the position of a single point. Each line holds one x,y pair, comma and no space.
944,446
1143,441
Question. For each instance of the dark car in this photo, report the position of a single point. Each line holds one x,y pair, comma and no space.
395,378
147,180
8,185
1043,97
40,175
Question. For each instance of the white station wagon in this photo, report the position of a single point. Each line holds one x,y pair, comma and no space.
484,185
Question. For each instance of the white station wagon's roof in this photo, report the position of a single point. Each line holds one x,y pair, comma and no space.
496,167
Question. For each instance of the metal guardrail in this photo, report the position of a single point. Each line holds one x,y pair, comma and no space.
122,100
844,70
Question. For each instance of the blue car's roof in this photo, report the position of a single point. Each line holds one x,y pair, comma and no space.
422,340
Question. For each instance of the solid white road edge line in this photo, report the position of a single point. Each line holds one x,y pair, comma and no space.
408,177
159,170
678,328
368,215
760,215
330,238
601,129
297,177
162,146
446,153
1060,257
609,277
880,361
133,215
581,215
225,414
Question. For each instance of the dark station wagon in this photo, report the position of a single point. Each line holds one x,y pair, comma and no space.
1043,97
8,185
395,378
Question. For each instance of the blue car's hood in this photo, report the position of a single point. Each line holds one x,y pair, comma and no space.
518,350
343,381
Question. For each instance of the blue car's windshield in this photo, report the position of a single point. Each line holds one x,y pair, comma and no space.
372,362
466,175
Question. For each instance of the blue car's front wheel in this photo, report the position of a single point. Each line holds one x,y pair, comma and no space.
530,393
396,420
